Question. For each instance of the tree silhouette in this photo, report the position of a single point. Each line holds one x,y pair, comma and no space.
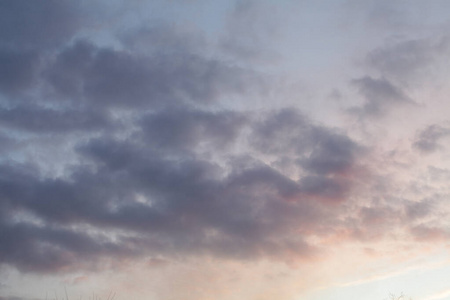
398,297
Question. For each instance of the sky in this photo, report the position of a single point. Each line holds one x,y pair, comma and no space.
226,150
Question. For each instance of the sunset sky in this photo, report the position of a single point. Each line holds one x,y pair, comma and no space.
224,149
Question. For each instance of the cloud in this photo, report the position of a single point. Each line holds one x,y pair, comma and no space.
331,153
424,232
7,143
152,38
107,77
320,187
18,69
183,130
151,193
45,249
280,131
390,17
318,149
427,140
182,210
129,150
403,59
380,95
419,210
39,24
133,143
251,28
322,156
32,118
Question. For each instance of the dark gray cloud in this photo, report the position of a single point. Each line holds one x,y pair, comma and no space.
427,140
331,152
322,155
328,189
46,249
7,143
151,167
18,69
380,94
281,131
176,205
181,204
33,118
110,77
39,24
317,149
27,31
181,130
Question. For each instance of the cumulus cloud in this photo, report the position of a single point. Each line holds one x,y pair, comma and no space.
154,170
167,204
161,183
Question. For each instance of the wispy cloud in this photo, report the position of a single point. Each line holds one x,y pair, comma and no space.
439,295
395,273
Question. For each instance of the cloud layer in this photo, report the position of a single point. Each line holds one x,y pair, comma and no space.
125,140
155,167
